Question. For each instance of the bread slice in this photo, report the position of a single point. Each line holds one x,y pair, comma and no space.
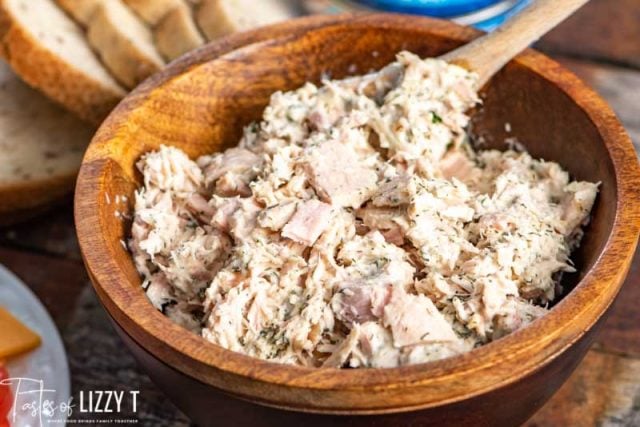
41,147
218,18
50,52
123,42
80,10
152,11
177,33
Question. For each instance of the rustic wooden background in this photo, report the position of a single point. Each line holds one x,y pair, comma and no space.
601,44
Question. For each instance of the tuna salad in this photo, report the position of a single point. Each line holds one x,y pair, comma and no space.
355,226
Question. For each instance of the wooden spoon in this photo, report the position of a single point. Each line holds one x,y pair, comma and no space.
488,54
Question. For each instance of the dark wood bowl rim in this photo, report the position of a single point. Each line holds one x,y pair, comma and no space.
520,353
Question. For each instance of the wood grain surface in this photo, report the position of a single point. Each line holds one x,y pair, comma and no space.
604,391
604,30
582,401
620,86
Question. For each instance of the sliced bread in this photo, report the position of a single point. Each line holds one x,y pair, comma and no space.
152,11
41,146
50,52
174,29
123,42
80,10
218,18
177,33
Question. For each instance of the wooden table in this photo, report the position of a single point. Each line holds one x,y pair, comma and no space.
601,44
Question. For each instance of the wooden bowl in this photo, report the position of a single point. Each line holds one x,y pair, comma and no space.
200,104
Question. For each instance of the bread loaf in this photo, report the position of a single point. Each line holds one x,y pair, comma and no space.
123,42
80,10
218,18
50,52
177,33
152,11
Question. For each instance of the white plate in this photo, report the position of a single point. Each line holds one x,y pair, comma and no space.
48,363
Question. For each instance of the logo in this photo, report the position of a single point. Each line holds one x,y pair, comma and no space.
33,401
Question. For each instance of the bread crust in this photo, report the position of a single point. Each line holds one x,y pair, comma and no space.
219,18
212,20
47,72
80,10
177,33
152,11
126,61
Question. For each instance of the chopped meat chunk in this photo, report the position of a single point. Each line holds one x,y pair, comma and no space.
244,219
169,169
577,204
457,164
223,210
338,177
231,184
360,302
231,171
199,206
234,160
394,192
308,223
414,319
392,222
277,216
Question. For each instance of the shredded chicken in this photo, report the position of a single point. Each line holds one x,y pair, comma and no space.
354,226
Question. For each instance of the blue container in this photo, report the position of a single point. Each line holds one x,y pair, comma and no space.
439,8
483,14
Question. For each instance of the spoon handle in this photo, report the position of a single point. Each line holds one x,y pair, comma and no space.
488,54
